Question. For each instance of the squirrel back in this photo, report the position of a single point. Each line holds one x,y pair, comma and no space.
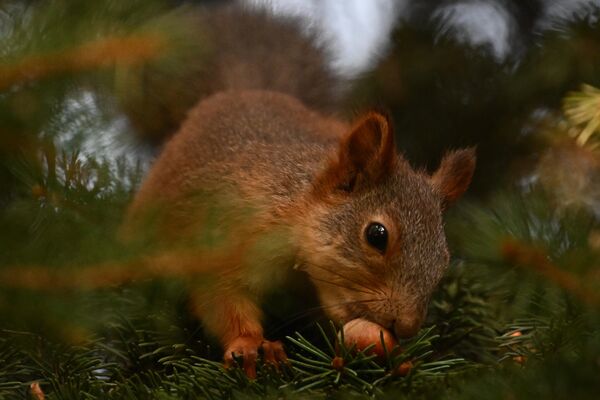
264,146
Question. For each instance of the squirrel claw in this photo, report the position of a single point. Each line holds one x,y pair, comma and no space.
247,348
273,353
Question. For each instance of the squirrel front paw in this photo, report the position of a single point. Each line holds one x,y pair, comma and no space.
248,347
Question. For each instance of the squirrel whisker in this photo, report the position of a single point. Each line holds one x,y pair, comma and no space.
369,288
295,317
342,286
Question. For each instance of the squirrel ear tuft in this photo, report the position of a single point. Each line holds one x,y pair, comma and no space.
367,152
454,174
370,142
365,155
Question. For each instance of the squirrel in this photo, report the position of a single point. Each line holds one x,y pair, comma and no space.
261,178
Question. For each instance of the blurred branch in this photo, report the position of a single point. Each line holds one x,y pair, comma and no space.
128,50
524,255
168,264
182,262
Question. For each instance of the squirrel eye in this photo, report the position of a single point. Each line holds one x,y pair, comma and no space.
377,236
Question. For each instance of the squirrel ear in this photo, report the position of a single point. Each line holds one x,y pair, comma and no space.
367,152
454,174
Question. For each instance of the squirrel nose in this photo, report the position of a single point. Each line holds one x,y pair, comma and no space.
407,326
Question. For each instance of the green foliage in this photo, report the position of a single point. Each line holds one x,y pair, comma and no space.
516,316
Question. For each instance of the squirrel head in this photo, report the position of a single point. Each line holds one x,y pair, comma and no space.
373,242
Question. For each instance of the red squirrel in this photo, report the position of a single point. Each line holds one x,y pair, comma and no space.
274,182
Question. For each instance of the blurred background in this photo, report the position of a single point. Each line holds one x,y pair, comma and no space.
90,91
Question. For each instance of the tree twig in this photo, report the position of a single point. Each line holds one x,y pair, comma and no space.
536,259
128,50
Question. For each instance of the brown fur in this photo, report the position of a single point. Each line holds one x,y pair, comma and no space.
234,49
258,175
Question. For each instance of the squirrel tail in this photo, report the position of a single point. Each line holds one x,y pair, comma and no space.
240,48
